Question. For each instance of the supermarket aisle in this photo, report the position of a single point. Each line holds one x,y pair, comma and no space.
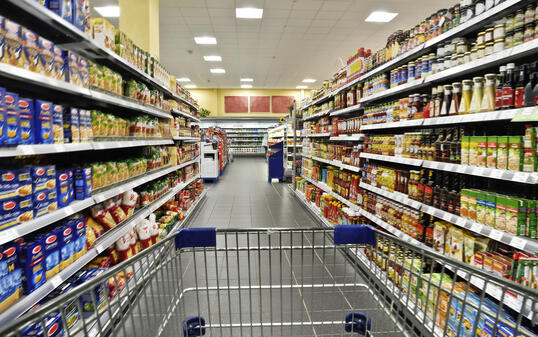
243,198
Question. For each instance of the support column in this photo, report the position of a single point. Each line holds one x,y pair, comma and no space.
139,19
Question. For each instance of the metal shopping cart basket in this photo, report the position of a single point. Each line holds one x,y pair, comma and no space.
351,280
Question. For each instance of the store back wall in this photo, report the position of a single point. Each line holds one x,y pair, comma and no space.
213,99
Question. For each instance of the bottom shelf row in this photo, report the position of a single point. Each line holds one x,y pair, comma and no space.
43,267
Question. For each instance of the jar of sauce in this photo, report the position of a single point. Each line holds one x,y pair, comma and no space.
488,37
529,14
411,71
498,45
481,51
488,50
509,24
481,38
498,31
518,37
528,34
467,57
456,98
509,40
519,19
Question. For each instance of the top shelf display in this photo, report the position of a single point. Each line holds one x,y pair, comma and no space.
419,42
72,37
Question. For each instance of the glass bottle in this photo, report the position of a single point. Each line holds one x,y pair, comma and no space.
456,98
476,99
438,146
433,105
445,183
508,87
446,145
488,97
499,99
519,95
436,198
466,96
454,144
428,189
447,98
421,185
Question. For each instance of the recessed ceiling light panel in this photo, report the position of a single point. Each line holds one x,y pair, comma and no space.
309,80
301,87
217,71
249,13
247,80
380,16
183,79
205,40
246,86
108,11
212,58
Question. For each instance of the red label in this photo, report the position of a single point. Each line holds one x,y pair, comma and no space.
50,239
36,249
519,97
23,104
508,97
45,106
80,225
53,329
40,172
8,176
47,44
63,177
67,231
41,196
9,205
58,108
9,99
10,251
499,99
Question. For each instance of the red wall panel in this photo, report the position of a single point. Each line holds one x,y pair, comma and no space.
235,104
260,103
281,104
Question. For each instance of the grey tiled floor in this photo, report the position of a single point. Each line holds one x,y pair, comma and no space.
243,198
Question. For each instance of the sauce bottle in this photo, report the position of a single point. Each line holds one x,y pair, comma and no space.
456,98
437,190
488,97
530,98
447,98
466,95
439,146
428,189
476,99
519,95
499,98
433,105
508,87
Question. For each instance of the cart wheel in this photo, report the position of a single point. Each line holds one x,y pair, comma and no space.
194,326
358,322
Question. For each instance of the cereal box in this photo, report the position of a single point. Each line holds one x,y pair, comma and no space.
46,57
12,119
502,153
515,153
58,124
26,113
43,122
33,265
63,8
13,43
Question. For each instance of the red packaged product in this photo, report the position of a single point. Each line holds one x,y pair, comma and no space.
123,247
128,202
144,234
115,210
103,217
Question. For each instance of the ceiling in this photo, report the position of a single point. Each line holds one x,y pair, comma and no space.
296,39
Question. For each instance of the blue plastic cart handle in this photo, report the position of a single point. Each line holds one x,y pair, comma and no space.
358,322
194,326
354,234
196,237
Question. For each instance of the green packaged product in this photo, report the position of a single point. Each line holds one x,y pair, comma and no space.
502,153
491,157
465,143
515,153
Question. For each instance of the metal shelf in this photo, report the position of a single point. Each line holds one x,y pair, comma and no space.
328,190
317,115
346,110
356,137
328,134
334,163
187,138
185,115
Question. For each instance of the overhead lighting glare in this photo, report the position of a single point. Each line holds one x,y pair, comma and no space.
212,58
191,86
205,40
108,11
301,87
246,86
217,71
309,80
183,79
249,13
380,16
247,80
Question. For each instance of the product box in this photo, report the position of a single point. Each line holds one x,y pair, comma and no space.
465,143
491,152
502,153
43,177
32,259
515,215
52,253
10,276
59,64
43,122
26,115
9,212
491,205
30,51
63,8
45,207
515,153
531,219
71,67
84,72
63,188
481,150
104,33
500,213
46,57
83,183
67,245
71,126
79,225
480,207
79,14
13,123
15,182
58,124
26,208
99,296
530,162
13,44
3,132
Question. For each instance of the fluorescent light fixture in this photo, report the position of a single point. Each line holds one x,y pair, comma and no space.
309,80
302,87
247,80
249,13
212,58
246,86
183,79
190,86
108,11
380,16
217,71
205,40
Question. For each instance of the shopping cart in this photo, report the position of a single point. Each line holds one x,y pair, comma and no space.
351,280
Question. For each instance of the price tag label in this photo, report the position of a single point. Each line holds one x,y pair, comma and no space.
496,173
461,221
461,168
518,242
496,235
447,217
8,235
56,281
520,176
476,227
478,171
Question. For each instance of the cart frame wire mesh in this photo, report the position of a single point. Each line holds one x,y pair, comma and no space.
348,281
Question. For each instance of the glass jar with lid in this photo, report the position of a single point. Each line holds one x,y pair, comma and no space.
509,40
488,97
467,57
488,50
498,31
466,96
488,36
481,38
474,53
462,47
519,18
530,12
518,37
481,51
528,34
509,24
459,59
498,45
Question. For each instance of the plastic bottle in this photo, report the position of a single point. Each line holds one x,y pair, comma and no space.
488,97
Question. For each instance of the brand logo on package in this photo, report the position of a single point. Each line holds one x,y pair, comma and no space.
53,329
40,172
50,239
41,196
63,177
9,252
58,108
80,225
23,103
47,44
8,206
9,99
67,231
36,249
8,176
45,106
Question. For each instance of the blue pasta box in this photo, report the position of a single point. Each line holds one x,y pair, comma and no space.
58,124
45,207
26,113
84,72
79,225
2,40
70,309
42,2
9,212
43,177
32,259
26,207
83,183
71,126
64,187
63,8
99,296
67,245
13,43
53,325
46,56
8,184
52,253
9,258
10,275
3,132
44,196
59,63
79,14
71,66
30,50
13,123
43,122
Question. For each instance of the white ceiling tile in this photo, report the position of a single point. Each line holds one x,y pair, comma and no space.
278,4
322,23
225,28
198,30
219,3
193,11
332,15
198,20
302,14
221,12
308,4
223,20
332,5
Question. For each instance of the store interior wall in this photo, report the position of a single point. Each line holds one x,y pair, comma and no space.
213,99
139,19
